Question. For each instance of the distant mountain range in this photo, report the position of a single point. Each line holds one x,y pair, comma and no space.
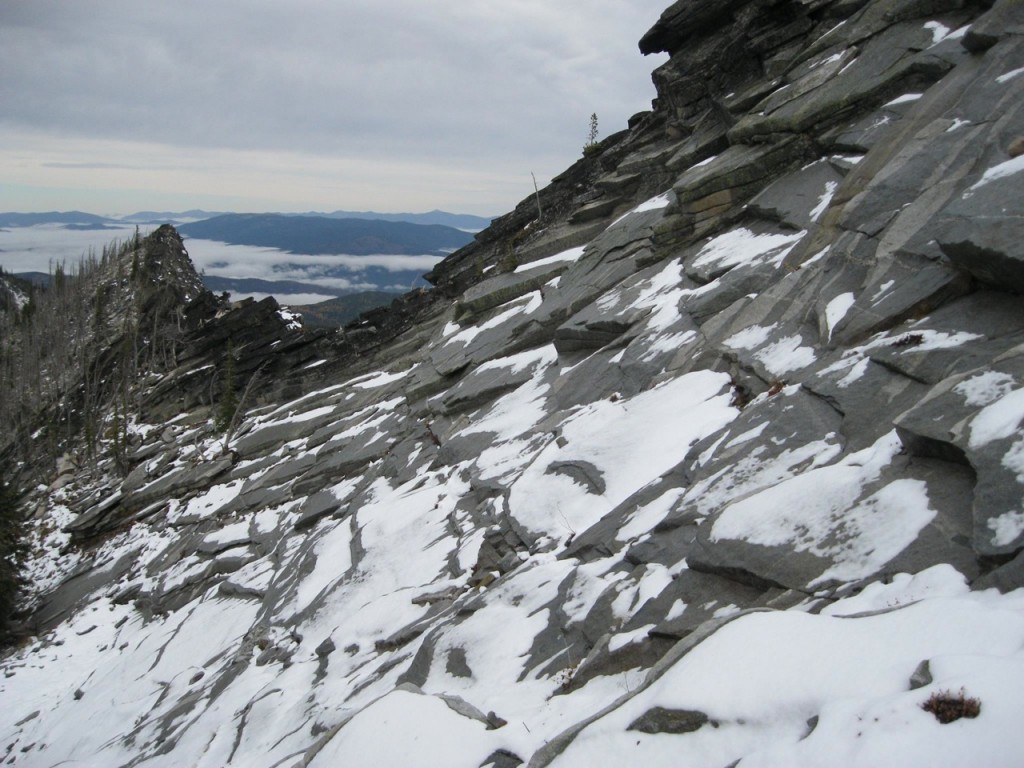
70,219
78,219
393,251
457,220
317,235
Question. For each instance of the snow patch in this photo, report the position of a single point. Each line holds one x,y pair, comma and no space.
824,200
741,246
818,512
998,420
654,204
906,98
1008,76
1006,528
985,388
572,254
939,31
1001,171
836,310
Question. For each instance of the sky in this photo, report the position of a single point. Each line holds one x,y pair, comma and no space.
116,106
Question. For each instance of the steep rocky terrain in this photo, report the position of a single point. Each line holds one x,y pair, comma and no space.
718,458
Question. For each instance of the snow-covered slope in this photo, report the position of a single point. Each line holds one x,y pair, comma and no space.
720,461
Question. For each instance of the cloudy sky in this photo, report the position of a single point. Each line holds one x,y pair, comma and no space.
114,106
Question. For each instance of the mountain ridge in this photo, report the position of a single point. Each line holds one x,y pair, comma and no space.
463,221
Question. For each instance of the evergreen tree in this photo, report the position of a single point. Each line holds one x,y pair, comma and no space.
12,551
228,397
591,144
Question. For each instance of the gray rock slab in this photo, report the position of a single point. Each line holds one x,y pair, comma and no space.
894,290
187,478
315,507
802,561
503,288
102,516
798,199
889,64
282,471
981,232
484,385
737,167
274,435
961,420
88,578
662,720
599,209
706,597
775,437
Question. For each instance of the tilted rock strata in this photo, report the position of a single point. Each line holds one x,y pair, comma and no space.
642,481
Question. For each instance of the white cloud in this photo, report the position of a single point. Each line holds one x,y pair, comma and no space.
222,259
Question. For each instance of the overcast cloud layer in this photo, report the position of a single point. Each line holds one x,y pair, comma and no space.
396,105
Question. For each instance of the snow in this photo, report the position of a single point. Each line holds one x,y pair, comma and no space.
781,356
883,289
332,557
572,254
906,98
1013,460
939,31
381,379
518,411
671,417
622,639
206,504
754,471
229,535
235,671
998,420
407,730
531,358
742,246
824,511
750,338
855,360
523,305
828,60
996,172
836,310
649,515
1006,77
292,319
653,204
824,200
1006,528
985,388
763,676
904,589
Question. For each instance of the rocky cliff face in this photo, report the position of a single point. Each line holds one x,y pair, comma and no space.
718,459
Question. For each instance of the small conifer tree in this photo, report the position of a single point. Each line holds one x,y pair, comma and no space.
591,135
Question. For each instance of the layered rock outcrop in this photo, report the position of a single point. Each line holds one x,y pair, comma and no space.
641,480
